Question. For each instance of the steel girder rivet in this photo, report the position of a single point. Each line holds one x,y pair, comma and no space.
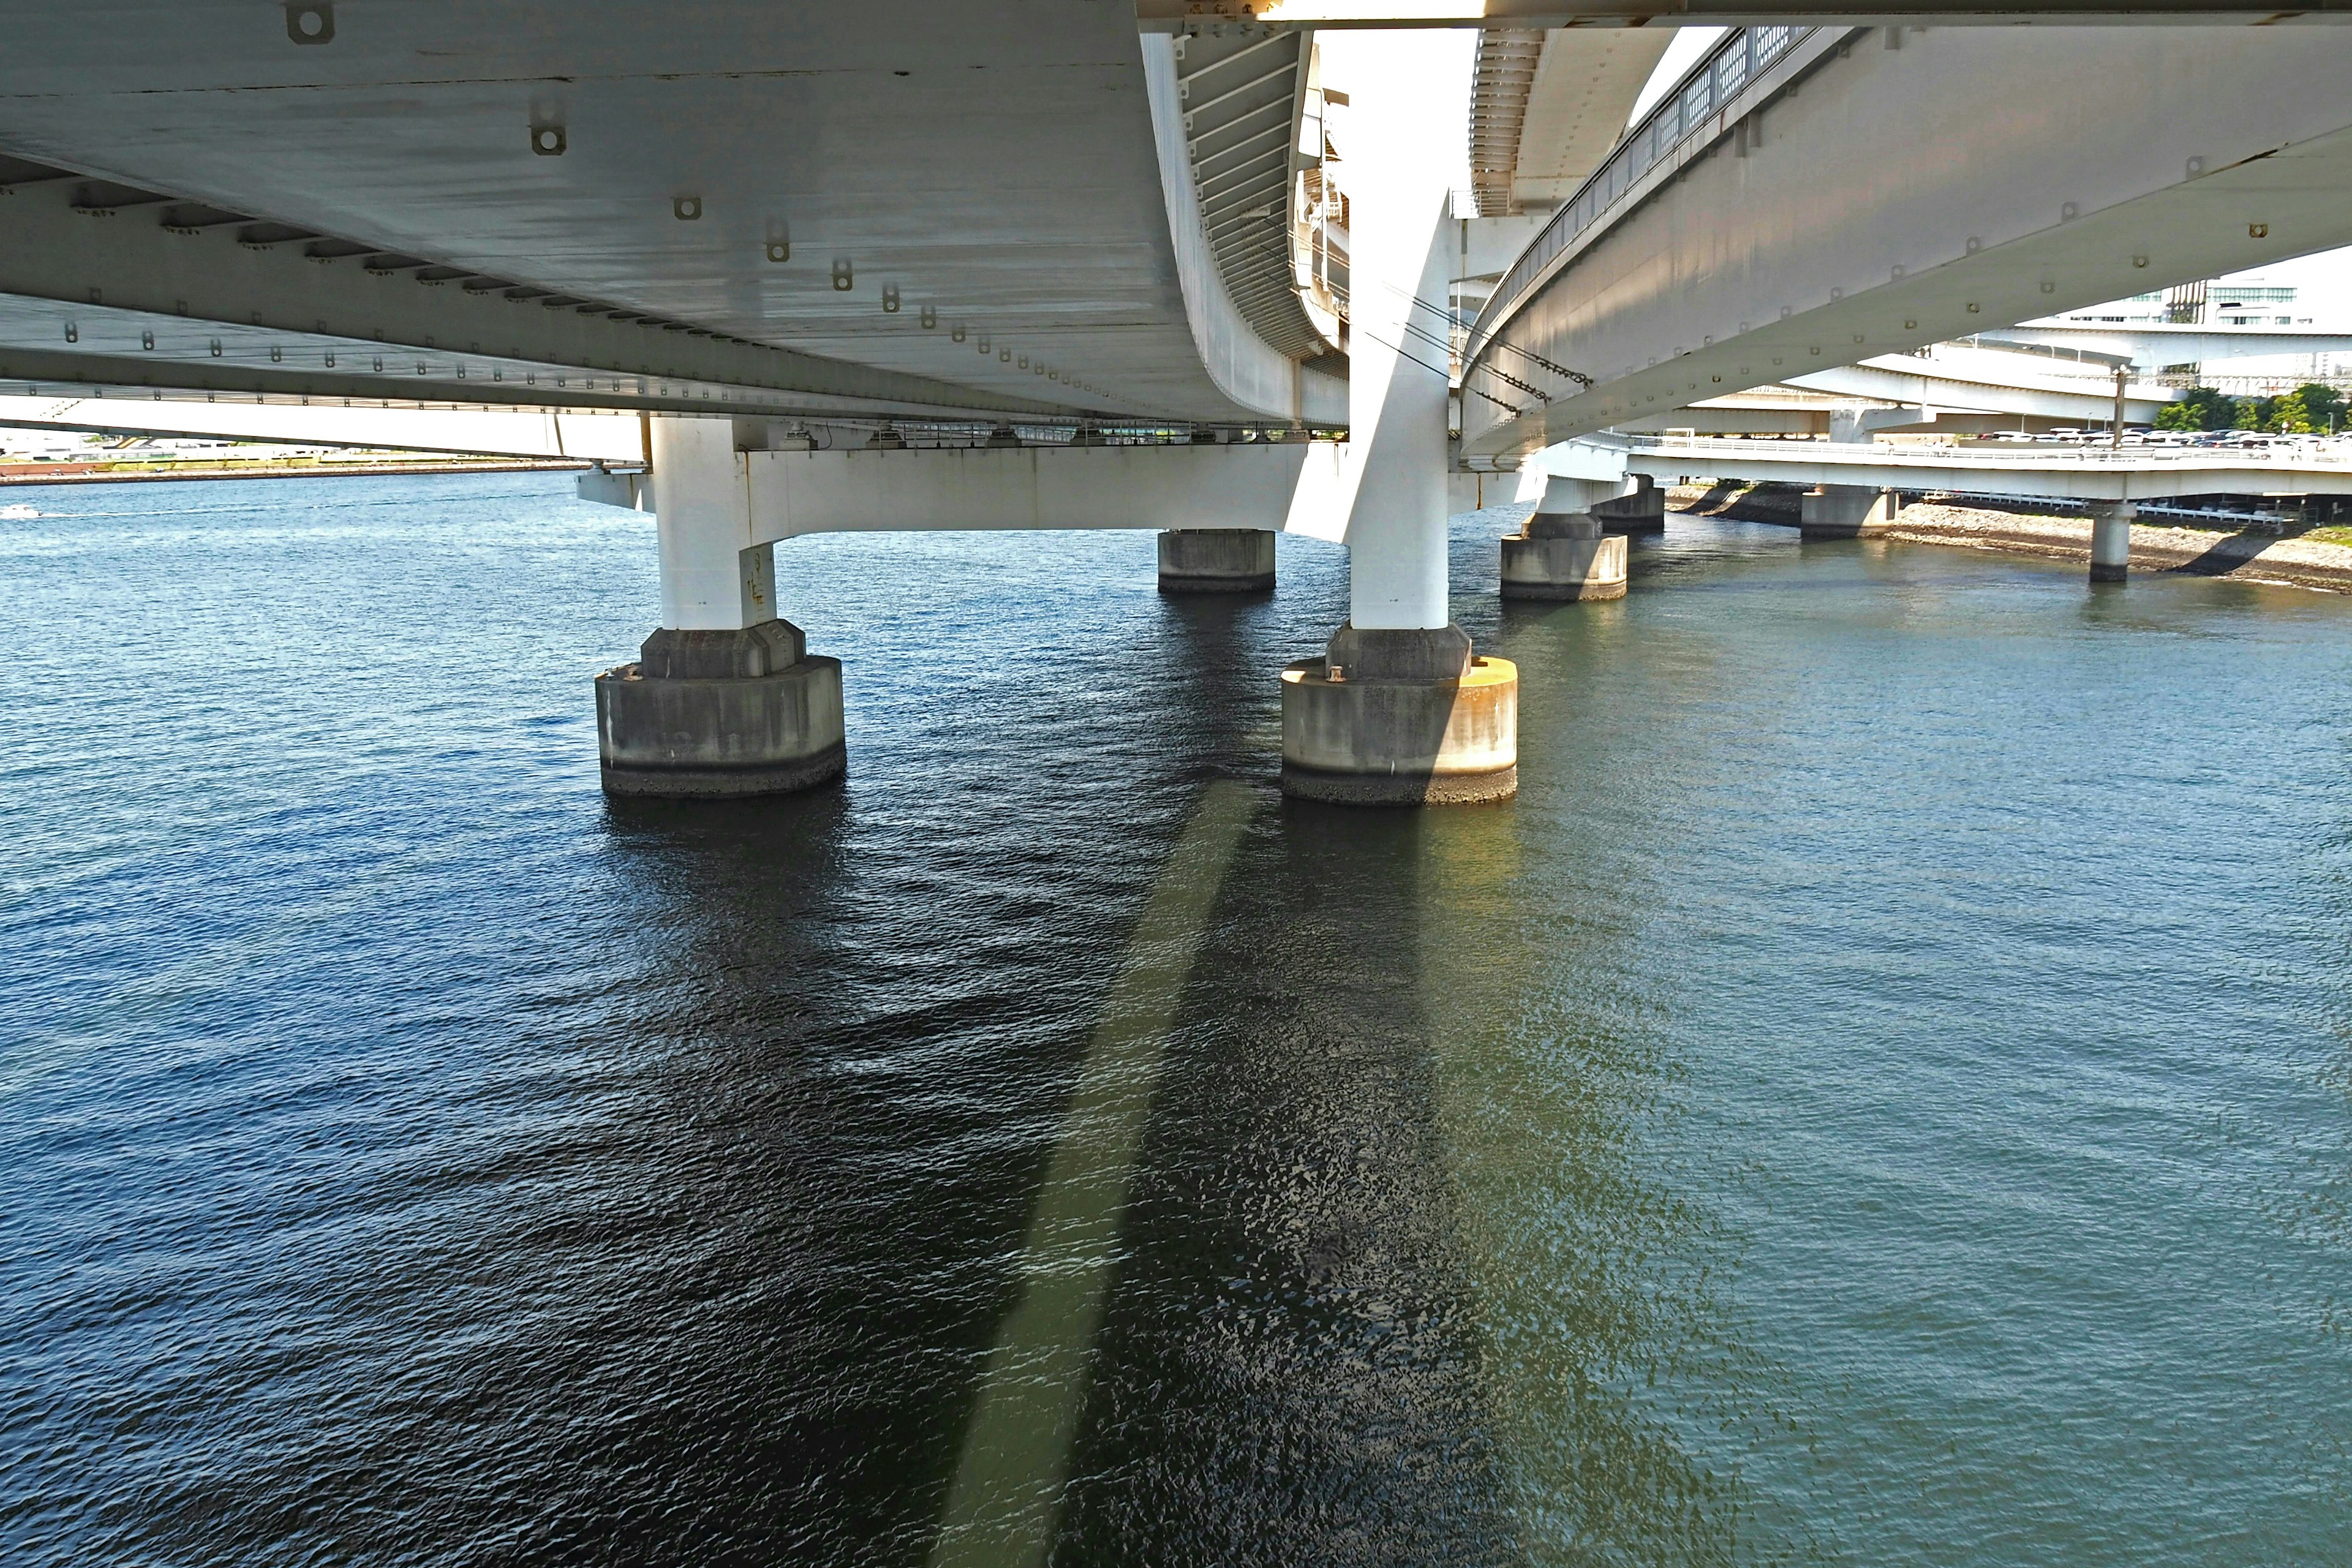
843,280
889,298
955,334
548,140
780,250
930,317
686,209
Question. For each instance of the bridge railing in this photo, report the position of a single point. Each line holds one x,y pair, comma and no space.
1686,112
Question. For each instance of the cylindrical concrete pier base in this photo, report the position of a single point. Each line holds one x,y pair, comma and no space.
1400,717
2111,541
715,714
1216,561
1563,556
1644,511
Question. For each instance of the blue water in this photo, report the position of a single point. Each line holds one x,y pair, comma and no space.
1880,1094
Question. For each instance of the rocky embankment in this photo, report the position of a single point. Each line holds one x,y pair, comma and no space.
2199,552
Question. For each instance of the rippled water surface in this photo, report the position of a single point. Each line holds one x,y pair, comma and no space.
1879,1096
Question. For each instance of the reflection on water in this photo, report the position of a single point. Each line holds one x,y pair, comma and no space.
1880,1094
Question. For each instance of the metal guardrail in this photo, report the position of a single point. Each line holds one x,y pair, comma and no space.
1736,59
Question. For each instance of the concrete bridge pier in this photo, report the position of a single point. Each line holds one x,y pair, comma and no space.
2111,539
1399,711
724,699
1561,552
1216,561
1641,509
1845,511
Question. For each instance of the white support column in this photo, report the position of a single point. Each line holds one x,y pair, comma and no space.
713,577
1398,710
1397,376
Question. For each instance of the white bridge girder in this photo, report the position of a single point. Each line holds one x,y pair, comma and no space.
2009,174
1294,487
2152,346
507,433
2077,474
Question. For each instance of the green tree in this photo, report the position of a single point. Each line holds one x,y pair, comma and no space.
2200,408
2253,414
2322,404
2288,417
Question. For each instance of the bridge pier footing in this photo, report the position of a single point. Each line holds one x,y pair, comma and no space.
1401,717
2111,541
1846,511
1557,555
1216,561
714,713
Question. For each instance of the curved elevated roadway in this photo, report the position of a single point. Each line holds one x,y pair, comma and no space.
927,207
1812,198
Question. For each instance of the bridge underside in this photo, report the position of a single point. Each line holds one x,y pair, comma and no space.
911,206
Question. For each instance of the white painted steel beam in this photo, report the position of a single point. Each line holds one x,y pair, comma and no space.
1965,385
2072,474
2152,347
596,438
1290,486
2010,175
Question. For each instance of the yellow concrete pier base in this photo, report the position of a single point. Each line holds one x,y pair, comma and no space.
1400,719
1563,556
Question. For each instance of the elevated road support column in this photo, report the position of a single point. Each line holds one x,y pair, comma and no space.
725,698
1399,711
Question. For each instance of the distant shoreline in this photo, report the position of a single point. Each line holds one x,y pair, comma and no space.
284,471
